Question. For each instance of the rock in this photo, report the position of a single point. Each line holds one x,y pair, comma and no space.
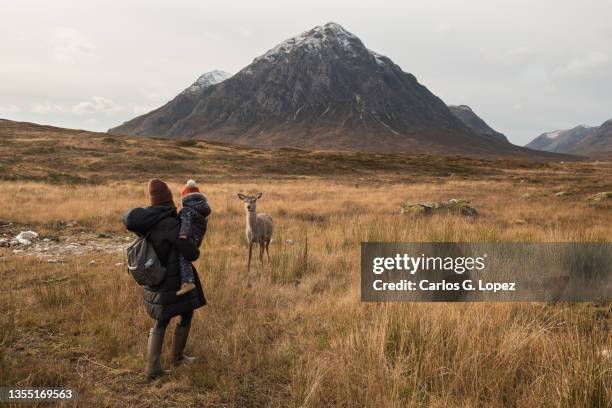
26,237
53,261
92,262
71,224
18,251
103,235
4,242
519,222
525,196
119,264
452,206
605,353
560,194
289,241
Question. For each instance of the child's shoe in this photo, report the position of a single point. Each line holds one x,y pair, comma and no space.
185,287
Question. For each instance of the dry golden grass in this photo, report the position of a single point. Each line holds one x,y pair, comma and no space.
294,333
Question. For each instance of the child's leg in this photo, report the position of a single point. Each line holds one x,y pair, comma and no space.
187,279
186,270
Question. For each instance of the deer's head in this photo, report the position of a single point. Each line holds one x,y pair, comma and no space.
250,201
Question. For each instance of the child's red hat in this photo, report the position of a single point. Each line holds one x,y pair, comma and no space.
190,187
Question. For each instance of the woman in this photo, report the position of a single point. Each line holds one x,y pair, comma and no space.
159,222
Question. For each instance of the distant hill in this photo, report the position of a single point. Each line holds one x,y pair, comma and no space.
322,89
51,154
560,141
580,140
474,122
597,142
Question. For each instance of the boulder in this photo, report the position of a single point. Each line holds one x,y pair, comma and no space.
601,197
452,206
26,237
600,200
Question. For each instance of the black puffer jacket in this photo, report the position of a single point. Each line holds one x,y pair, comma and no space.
162,225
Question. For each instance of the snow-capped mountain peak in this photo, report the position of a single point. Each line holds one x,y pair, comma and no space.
207,79
553,135
315,39
463,108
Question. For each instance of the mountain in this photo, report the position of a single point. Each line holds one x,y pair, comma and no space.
598,142
206,80
322,89
580,140
474,122
560,141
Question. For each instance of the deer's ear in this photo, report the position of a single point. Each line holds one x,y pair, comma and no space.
241,196
258,196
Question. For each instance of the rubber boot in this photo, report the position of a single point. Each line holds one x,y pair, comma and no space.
178,346
153,368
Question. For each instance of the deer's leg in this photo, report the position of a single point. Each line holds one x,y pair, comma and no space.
250,252
268,252
261,251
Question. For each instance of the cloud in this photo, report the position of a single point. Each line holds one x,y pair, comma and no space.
518,52
508,56
591,63
96,105
443,27
157,90
68,45
244,32
10,108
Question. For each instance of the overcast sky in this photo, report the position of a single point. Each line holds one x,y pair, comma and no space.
525,66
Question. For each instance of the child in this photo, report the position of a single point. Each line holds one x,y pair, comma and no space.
194,219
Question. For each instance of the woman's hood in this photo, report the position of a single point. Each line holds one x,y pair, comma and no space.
141,220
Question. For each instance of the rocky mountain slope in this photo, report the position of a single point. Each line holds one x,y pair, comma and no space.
474,122
596,143
580,140
322,89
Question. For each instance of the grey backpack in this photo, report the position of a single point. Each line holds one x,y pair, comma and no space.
144,264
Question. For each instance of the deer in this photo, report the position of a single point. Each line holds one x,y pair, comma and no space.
258,227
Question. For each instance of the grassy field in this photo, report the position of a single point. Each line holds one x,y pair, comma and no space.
293,332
